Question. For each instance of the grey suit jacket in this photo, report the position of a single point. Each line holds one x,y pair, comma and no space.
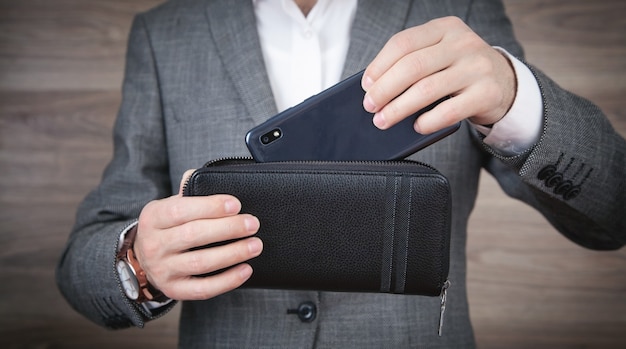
195,83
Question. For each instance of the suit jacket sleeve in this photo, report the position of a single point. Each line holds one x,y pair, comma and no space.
137,174
576,173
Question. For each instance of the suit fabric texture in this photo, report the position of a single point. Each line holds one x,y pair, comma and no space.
195,82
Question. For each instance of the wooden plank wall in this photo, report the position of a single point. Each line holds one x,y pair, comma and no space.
61,65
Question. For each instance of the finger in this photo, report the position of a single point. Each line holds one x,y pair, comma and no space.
211,259
481,101
404,74
420,95
398,46
209,231
443,115
202,288
449,112
171,256
176,210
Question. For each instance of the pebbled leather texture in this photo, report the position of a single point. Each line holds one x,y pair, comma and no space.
379,226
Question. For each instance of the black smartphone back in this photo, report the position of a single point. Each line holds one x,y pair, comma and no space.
333,125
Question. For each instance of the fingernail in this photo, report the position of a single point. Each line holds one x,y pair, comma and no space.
255,246
252,224
245,272
367,82
231,206
417,127
368,104
379,120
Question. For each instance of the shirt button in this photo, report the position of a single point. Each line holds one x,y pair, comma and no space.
307,311
308,33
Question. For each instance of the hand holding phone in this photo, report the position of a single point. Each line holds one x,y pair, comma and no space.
334,126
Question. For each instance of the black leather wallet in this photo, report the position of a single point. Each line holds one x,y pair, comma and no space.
381,226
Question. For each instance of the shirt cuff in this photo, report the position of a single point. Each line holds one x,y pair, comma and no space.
520,128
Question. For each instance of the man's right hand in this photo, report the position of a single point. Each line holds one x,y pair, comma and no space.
169,229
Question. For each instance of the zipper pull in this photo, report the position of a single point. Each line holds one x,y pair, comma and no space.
444,295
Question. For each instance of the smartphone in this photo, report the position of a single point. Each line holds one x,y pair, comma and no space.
334,126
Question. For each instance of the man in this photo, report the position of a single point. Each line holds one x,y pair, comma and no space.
201,73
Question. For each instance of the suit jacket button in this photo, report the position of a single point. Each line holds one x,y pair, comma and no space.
307,311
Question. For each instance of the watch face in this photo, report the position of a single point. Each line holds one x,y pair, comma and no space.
128,279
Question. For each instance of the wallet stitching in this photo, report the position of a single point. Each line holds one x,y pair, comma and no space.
401,254
408,234
388,244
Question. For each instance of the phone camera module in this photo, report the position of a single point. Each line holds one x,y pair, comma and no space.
271,136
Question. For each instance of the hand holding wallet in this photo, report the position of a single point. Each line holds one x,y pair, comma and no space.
361,226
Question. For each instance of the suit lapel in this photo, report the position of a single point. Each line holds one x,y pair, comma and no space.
375,22
232,24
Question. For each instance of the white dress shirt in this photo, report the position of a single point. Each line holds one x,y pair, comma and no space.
305,55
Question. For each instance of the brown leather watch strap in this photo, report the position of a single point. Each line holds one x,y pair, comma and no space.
127,243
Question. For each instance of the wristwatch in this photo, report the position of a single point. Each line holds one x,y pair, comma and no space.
132,277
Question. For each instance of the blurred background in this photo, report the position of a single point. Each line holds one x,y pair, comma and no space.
61,67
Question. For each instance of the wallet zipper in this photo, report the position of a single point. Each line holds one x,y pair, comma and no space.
237,159
215,162
442,309
228,160
231,160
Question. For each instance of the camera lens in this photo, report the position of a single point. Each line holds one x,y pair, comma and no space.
271,136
